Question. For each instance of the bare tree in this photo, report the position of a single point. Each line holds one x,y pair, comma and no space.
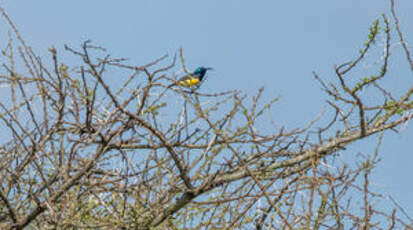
102,145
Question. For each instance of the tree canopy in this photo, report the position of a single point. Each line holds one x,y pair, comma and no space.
80,151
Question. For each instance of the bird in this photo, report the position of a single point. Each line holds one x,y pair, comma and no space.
193,79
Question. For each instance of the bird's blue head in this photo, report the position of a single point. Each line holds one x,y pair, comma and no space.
201,71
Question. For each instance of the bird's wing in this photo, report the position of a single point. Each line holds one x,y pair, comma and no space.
183,78
186,77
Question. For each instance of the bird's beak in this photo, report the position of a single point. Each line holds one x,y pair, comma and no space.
209,68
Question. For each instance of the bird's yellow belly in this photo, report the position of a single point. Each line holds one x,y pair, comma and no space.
189,82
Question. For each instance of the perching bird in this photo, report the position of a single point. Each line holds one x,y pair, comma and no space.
192,79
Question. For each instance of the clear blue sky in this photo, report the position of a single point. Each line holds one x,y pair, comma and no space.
249,43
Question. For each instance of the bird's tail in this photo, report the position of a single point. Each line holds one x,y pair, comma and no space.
169,86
